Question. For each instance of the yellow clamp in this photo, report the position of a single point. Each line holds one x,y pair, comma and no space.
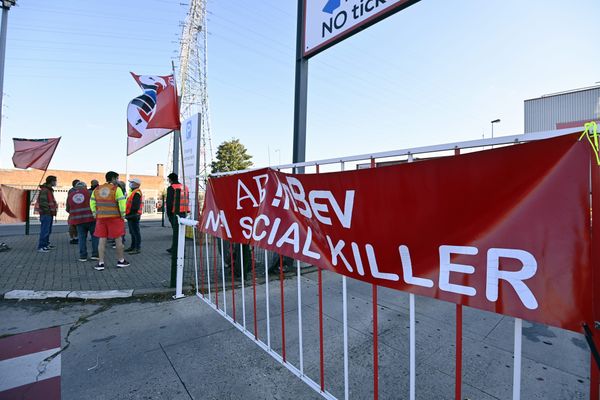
590,130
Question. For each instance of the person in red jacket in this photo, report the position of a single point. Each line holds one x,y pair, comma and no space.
72,230
81,217
46,206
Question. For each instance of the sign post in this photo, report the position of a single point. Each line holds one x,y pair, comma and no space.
191,158
322,24
300,91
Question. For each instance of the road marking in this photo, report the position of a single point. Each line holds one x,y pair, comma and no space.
25,372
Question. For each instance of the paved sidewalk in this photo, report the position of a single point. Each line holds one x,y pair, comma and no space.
23,268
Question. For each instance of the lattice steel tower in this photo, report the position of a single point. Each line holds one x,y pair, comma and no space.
192,79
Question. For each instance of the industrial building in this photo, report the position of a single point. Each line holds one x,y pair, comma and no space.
562,110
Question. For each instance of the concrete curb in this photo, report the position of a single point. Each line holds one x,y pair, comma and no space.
88,294
66,294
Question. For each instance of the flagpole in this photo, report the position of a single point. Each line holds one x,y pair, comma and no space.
40,182
176,136
127,168
127,159
46,170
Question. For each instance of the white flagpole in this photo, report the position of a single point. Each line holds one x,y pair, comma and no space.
127,159
126,171
180,139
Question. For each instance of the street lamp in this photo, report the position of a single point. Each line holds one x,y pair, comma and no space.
278,151
494,122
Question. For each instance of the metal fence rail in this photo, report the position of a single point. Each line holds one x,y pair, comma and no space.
213,254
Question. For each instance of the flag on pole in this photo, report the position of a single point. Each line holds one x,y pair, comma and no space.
154,113
34,153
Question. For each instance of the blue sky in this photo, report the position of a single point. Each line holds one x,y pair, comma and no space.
436,72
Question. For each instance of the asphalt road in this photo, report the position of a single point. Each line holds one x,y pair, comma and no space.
183,349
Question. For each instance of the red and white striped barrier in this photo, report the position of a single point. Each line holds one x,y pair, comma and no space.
28,369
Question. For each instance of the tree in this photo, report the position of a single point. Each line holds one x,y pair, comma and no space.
231,156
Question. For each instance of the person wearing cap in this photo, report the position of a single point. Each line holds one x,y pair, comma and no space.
82,219
108,205
184,207
133,213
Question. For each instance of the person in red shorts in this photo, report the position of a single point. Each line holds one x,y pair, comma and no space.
108,204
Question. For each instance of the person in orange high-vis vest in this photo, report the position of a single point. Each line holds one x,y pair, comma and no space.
108,206
184,203
133,213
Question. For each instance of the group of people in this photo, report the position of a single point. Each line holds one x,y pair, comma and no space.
100,211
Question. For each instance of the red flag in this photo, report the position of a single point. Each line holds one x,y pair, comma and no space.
156,111
34,153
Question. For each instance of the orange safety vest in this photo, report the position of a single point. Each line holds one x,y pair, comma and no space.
184,198
106,204
130,200
79,207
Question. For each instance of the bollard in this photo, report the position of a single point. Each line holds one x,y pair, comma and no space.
180,256
27,202
182,224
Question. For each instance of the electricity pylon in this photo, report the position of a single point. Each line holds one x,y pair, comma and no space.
193,87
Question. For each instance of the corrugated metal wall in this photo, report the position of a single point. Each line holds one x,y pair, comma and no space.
544,113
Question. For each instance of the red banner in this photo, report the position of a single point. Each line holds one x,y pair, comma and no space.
504,230
13,205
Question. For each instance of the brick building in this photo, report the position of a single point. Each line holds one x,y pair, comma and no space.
153,186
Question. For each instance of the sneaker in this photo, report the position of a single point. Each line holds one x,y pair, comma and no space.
43,250
129,249
50,247
83,259
122,264
74,241
99,267
135,251
95,258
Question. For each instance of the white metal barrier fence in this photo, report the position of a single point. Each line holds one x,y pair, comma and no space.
211,286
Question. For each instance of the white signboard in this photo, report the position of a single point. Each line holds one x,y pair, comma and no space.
329,21
191,152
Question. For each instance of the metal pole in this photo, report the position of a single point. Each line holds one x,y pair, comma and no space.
162,210
517,359
175,242
2,58
27,207
412,348
180,259
300,345
267,299
300,92
176,144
